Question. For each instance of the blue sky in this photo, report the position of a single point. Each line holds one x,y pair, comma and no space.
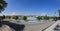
32,7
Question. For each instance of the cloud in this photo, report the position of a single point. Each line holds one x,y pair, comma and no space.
43,14
1,14
13,13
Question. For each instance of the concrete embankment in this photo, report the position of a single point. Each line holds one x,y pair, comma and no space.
51,28
38,26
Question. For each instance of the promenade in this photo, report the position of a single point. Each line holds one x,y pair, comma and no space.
37,26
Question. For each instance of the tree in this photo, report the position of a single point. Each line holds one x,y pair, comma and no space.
15,17
0,17
46,17
24,18
3,17
3,5
54,17
8,17
39,17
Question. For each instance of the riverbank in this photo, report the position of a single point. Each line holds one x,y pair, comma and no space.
35,26
38,26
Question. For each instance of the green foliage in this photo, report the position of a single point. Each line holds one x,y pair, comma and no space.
8,17
46,17
39,17
3,4
3,17
0,17
24,18
15,17
54,17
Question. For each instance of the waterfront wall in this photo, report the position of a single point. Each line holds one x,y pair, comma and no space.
51,28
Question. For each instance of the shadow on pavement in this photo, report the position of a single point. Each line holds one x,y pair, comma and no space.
16,27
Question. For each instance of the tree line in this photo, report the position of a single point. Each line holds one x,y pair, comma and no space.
25,17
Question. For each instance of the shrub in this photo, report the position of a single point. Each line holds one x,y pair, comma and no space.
24,18
8,17
15,17
54,18
3,17
39,17
46,17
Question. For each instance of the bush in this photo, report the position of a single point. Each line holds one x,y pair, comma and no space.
3,17
15,17
24,18
8,17
46,17
54,18
39,17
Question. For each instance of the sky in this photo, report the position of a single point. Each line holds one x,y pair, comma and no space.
32,7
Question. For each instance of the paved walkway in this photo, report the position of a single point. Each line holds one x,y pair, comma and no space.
57,28
37,26
54,27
